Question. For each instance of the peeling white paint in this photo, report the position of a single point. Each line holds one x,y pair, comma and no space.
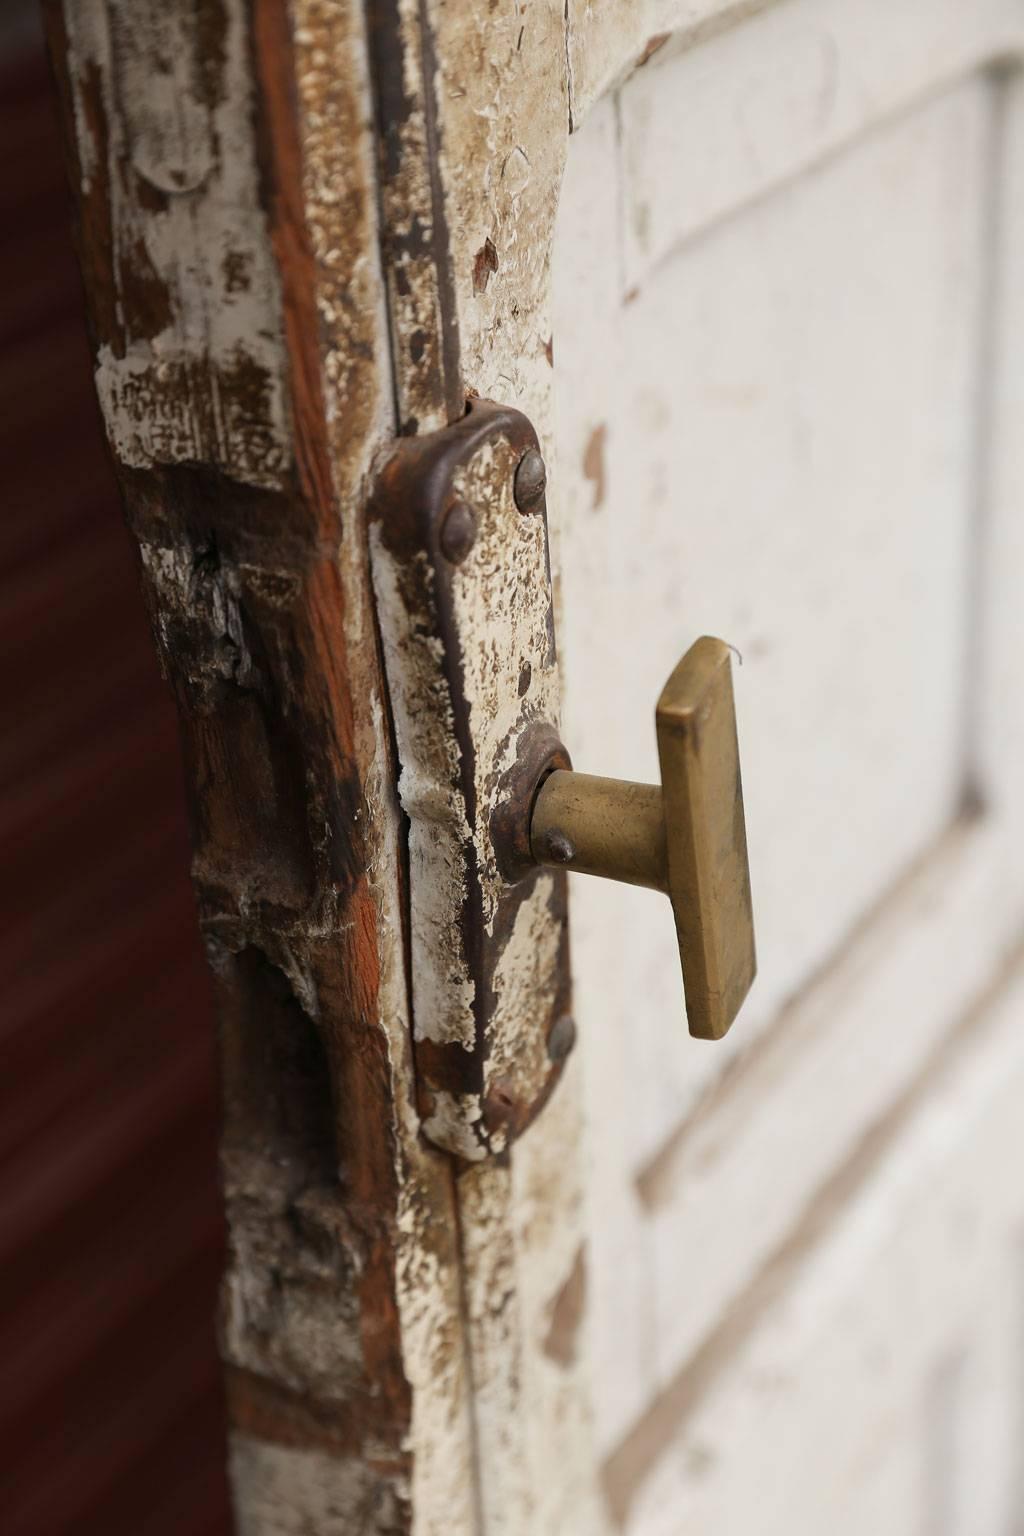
451,1121
527,970
502,93
199,242
338,164
432,798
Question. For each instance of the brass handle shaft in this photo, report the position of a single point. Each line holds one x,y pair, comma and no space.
598,826
686,838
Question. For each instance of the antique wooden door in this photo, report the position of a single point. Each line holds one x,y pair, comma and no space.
745,277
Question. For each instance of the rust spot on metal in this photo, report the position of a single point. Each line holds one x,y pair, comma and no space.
538,753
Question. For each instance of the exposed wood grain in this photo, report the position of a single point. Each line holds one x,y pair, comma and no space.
226,215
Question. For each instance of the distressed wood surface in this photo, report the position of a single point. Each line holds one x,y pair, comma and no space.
473,141
224,182
298,239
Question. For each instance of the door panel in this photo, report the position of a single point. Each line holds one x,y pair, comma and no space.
879,1388
782,324
764,477
785,343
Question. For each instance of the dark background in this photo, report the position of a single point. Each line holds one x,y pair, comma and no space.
111,1417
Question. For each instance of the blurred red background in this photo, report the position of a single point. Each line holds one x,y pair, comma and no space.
111,1412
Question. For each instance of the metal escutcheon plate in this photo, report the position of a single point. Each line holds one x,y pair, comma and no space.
459,548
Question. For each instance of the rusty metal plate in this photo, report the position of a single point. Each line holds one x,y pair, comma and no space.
459,548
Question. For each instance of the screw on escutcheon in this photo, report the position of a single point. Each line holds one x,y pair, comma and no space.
531,479
458,532
562,1037
560,849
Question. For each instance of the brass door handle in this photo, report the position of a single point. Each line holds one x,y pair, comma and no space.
462,571
687,838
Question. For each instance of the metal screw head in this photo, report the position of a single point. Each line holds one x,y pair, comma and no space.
559,848
562,1037
458,532
531,479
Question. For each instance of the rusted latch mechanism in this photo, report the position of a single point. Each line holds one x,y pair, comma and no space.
687,838
459,547
496,815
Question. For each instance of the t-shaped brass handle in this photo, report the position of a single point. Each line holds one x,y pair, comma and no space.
687,838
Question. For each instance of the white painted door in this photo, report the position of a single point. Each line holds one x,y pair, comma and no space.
753,272
788,342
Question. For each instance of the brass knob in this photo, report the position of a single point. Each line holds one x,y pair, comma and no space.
687,838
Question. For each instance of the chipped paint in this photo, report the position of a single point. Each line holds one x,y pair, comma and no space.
435,1350
429,789
238,308
452,1123
332,65
172,153
500,97
527,969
